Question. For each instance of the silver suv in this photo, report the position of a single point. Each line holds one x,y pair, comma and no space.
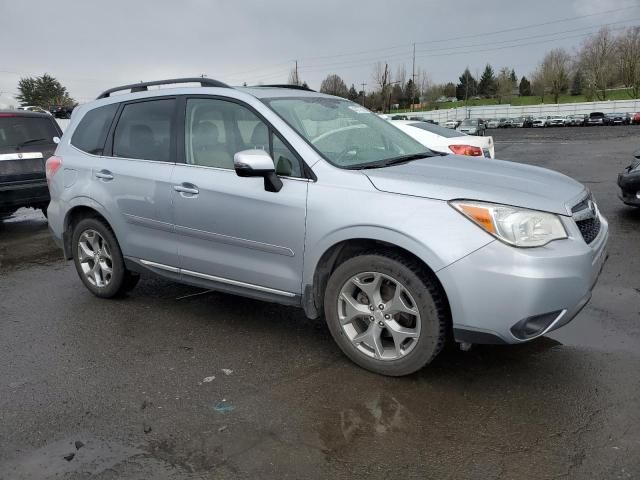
299,198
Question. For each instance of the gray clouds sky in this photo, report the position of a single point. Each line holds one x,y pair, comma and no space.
91,46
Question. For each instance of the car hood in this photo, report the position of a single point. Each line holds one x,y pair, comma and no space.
457,177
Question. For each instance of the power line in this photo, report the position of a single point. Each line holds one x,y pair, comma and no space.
494,32
451,50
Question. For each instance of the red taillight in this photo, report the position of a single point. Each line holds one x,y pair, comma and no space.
468,150
8,115
52,166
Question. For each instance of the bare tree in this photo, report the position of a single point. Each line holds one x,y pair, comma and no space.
434,91
597,62
334,85
423,81
382,77
294,77
628,49
555,70
504,85
401,75
538,84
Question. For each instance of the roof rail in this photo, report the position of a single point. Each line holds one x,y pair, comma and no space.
288,85
142,86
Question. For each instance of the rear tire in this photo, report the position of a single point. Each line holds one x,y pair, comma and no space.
409,313
99,261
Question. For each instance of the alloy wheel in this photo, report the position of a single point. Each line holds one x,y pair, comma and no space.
94,255
379,316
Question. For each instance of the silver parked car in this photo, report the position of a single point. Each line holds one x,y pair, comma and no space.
305,199
472,126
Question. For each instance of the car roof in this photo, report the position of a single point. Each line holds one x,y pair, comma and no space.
275,92
257,92
23,113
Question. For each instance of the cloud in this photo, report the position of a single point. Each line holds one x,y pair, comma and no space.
592,7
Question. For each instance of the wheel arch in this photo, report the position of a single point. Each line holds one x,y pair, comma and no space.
339,251
83,208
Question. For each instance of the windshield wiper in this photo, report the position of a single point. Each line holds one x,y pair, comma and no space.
406,158
33,140
392,161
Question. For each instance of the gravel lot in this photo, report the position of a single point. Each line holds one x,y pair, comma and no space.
127,378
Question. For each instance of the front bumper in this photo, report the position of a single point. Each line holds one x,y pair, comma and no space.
498,286
629,184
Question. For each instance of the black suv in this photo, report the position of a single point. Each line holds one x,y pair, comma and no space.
596,118
26,141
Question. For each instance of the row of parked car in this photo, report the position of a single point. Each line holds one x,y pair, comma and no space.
594,118
477,126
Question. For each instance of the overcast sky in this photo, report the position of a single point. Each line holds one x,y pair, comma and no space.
90,46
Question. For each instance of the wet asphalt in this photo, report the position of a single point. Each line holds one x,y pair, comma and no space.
110,389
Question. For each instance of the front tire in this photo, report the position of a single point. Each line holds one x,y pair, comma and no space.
99,261
385,313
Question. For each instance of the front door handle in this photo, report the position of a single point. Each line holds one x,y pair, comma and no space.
105,175
186,188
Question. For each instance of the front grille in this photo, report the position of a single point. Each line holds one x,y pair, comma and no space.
589,228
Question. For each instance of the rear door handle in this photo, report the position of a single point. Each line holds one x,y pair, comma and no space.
105,175
186,188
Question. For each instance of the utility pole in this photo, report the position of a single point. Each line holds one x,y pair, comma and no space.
413,78
363,95
297,78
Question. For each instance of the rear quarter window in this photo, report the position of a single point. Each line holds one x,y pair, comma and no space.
91,132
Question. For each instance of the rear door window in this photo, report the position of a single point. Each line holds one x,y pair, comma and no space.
144,130
16,131
91,132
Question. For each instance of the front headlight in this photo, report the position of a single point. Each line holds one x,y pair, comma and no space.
519,227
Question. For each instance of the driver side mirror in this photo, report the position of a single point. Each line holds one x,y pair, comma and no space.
257,163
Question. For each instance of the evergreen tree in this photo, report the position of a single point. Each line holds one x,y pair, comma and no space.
43,91
467,87
410,93
487,85
525,87
353,94
514,79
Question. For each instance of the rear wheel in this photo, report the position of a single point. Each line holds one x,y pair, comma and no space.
385,314
98,259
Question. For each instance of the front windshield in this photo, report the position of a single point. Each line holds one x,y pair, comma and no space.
344,133
468,122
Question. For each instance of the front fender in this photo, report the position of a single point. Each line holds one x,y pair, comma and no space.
348,207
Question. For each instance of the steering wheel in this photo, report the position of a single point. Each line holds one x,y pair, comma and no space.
352,151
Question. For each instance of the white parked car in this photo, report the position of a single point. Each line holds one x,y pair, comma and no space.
557,121
451,123
539,122
33,108
445,140
493,123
